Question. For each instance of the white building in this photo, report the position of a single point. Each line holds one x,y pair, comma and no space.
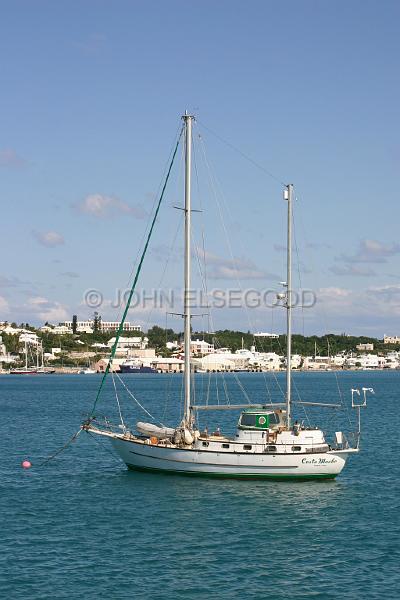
391,339
366,361
29,337
318,363
9,329
172,345
364,347
129,342
168,365
126,345
273,336
338,360
201,347
46,328
61,330
392,360
216,362
88,326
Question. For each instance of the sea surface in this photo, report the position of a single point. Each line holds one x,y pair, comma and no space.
83,526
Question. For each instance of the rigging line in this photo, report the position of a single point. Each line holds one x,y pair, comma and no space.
103,446
137,401
242,388
216,389
208,388
204,275
214,185
298,267
69,442
233,259
129,279
166,264
173,242
119,406
256,164
228,401
128,302
324,316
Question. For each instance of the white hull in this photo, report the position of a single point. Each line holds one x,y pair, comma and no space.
138,455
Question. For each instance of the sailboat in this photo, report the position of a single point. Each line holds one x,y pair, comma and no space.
26,370
267,443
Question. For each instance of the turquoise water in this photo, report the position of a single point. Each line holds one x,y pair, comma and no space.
83,526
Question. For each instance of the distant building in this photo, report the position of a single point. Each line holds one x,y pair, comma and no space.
9,329
168,365
201,347
129,342
172,345
273,336
390,339
46,328
101,365
29,337
61,330
88,326
364,347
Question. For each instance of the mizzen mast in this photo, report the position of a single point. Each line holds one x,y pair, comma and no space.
288,193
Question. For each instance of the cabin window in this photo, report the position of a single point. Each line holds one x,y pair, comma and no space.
273,419
296,448
225,445
248,420
247,447
270,449
205,443
260,421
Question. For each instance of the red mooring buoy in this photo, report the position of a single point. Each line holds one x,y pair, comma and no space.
26,464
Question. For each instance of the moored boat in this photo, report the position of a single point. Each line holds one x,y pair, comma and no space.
267,443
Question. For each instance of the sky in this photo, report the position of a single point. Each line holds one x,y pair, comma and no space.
283,92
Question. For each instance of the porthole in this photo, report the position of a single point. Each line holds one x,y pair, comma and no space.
247,447
270,449
225,445
296,448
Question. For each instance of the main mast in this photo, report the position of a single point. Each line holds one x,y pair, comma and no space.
186,308
288,196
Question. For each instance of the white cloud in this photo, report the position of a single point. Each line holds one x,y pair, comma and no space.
46,310
371,304
388,293
54,313
236,268
352,270
101,206
49,238
371,251
37,300
334,292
